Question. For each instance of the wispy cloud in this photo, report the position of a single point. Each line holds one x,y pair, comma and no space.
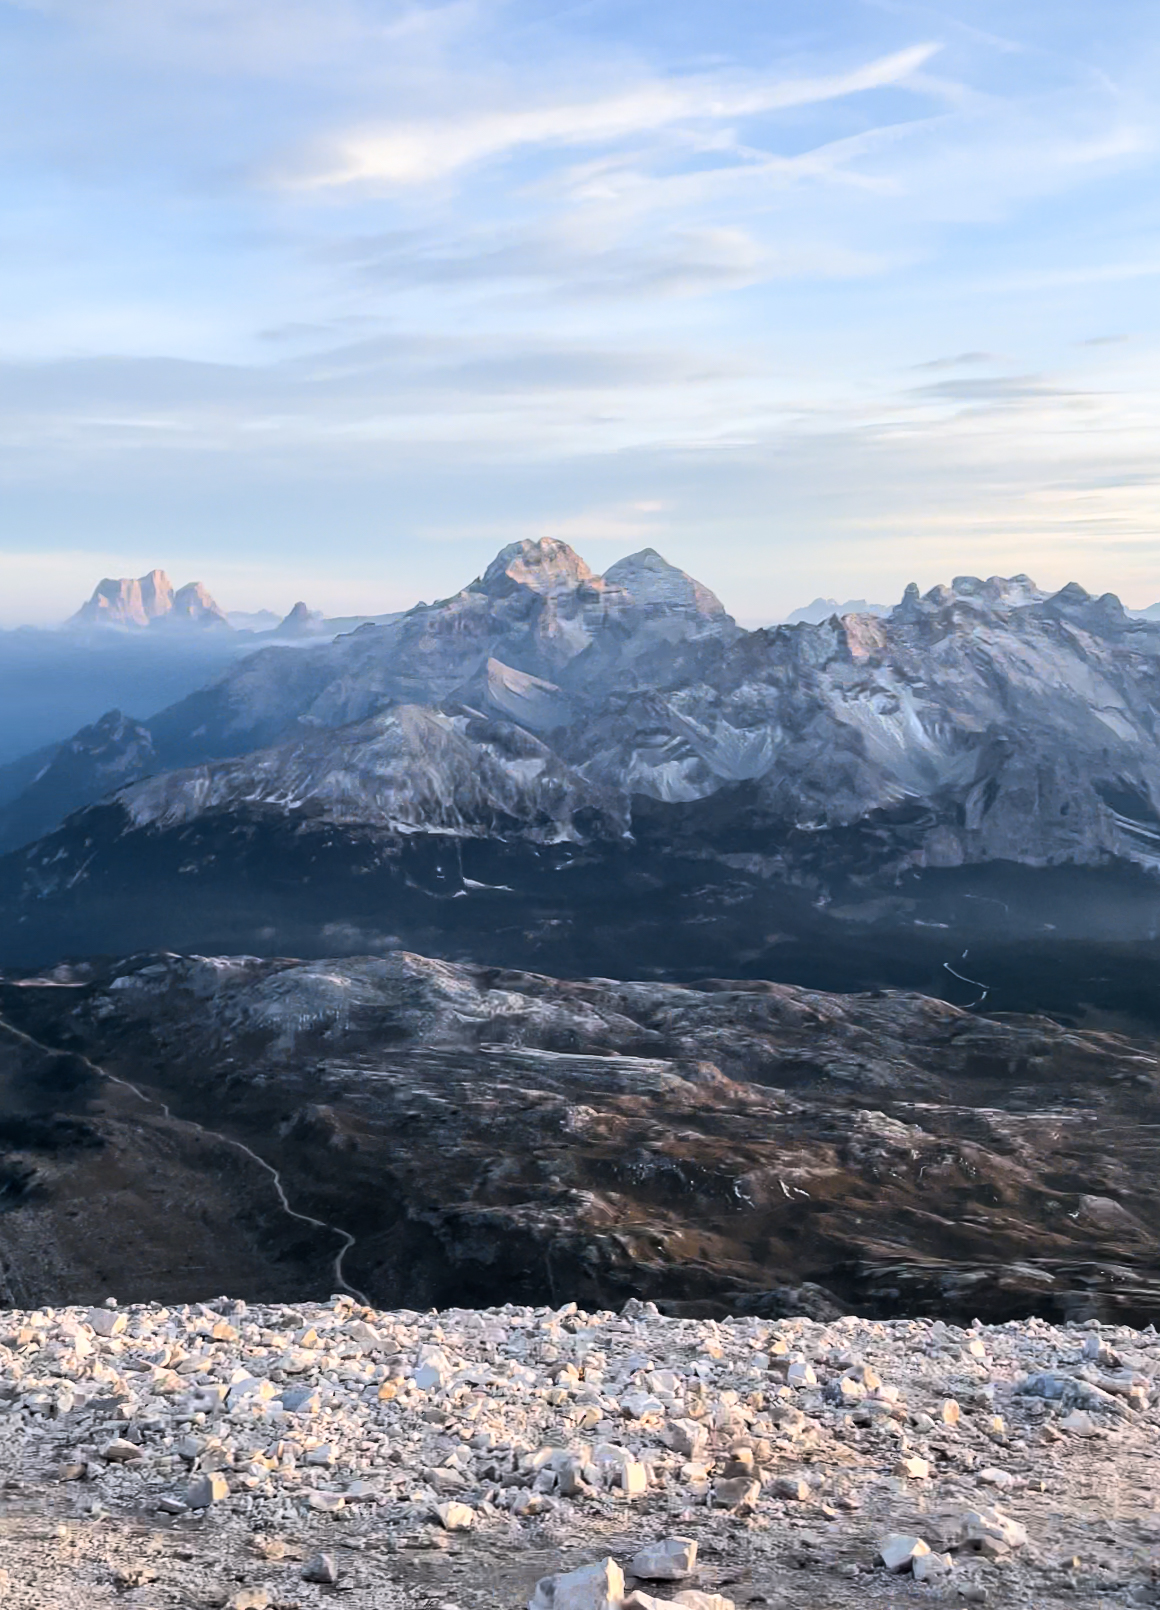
993,389
420,152
370,270
960,360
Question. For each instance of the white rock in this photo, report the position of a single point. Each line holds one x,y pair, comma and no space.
929,1567
326,1503
249,1389
668,1561
687,1437
592,1587
455,1517
988,1530
899,1551
636,1405
106,1321
118,1452
801,1374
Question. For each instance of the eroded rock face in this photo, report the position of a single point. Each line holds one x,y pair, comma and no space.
193,606
737,1147
414,769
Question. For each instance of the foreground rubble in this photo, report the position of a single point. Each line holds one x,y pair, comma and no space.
257,1457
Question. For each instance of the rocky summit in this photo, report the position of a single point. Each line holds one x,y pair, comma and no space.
257,1457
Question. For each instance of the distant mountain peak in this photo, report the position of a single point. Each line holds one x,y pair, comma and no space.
823,608
300,622
127,601
193,604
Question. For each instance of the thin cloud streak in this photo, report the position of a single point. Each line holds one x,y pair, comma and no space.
418,153
296,277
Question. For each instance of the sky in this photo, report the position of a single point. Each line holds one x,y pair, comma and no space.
331,299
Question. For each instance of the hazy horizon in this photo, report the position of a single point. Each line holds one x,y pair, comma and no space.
332,299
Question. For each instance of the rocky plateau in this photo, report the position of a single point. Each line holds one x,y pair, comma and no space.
448,1132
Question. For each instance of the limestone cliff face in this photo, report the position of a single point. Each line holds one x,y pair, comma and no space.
537,611
411,770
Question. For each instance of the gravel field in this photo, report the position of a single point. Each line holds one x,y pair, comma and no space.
252,1457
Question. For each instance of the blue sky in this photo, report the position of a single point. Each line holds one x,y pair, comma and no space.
332,298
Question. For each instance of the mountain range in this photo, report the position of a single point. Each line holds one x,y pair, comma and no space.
552,761
138,644
539,849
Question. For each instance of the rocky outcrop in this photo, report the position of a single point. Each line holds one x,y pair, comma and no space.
414,770
537,610
562,1458
495,1134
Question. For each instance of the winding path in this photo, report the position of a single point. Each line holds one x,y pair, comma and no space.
986,988
348,1240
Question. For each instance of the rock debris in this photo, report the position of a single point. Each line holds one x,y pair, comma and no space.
570,1460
